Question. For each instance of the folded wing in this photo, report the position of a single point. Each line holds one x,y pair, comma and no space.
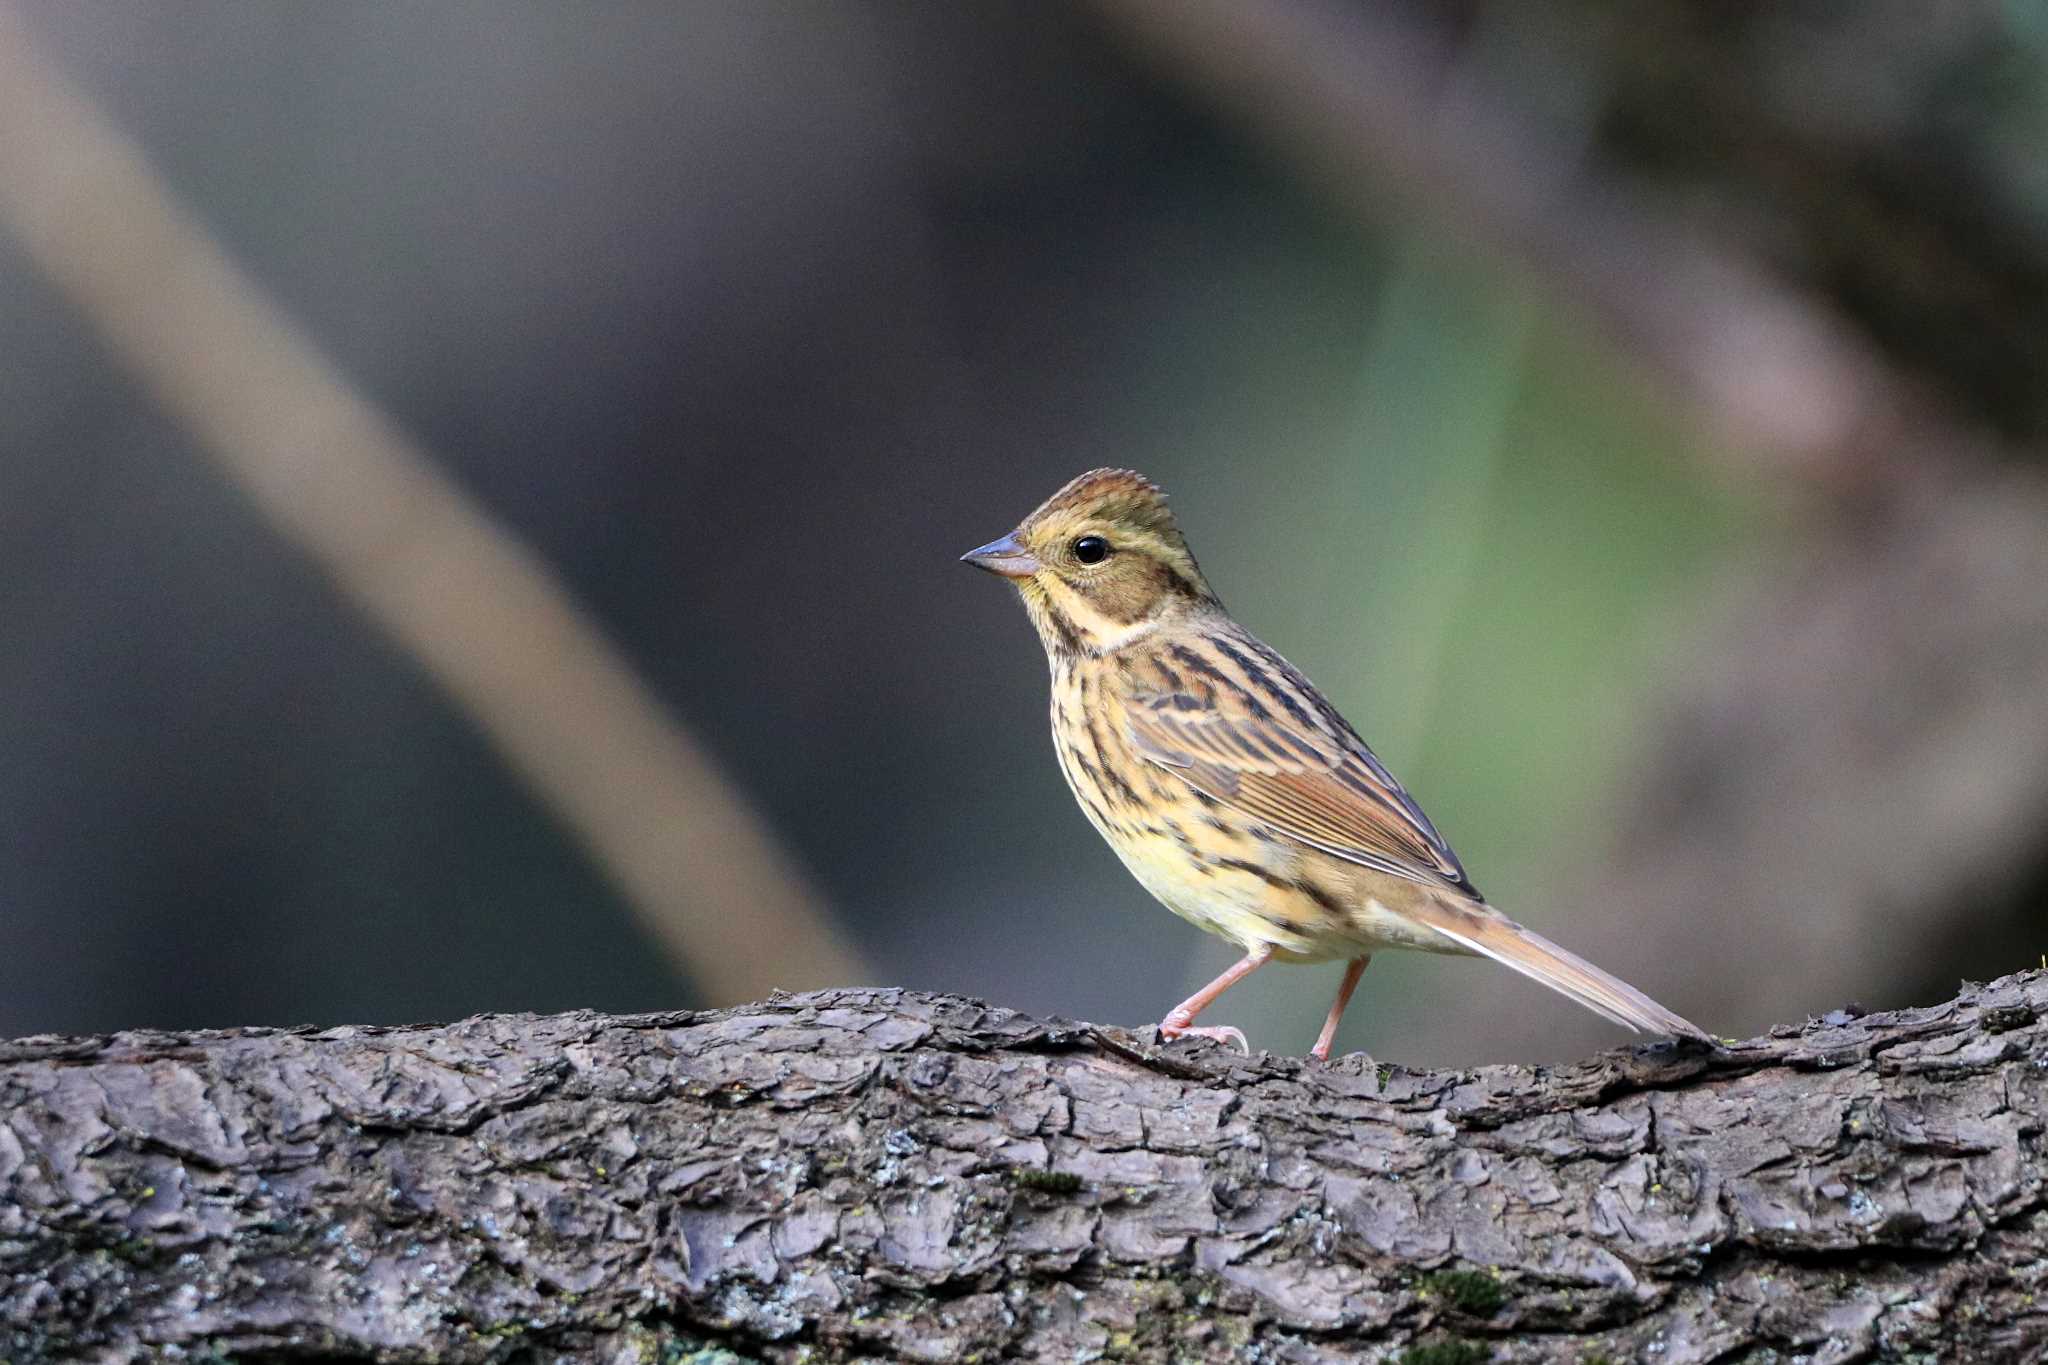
1269,747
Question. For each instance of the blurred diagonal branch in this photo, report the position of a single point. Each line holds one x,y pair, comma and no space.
1360,101
421,559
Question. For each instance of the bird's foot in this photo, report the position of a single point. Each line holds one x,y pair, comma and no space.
1222,1033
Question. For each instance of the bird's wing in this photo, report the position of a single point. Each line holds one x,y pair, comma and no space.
1240,725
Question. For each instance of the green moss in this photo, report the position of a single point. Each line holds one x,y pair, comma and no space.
1052,1182
1468,1291
134,1250
1451,1351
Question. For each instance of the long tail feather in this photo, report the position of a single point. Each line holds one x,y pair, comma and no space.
1486,931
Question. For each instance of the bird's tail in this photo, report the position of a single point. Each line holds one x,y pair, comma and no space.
1482,929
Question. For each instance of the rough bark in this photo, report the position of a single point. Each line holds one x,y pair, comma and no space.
887,1174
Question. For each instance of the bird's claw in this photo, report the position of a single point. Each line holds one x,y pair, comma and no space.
1221,1033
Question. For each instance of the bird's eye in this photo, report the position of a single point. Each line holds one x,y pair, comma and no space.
1091,549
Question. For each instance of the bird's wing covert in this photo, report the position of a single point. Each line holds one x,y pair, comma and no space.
1290,762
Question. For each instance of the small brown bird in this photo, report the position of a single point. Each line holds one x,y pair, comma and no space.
1231,789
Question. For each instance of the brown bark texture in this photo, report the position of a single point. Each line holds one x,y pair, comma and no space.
889,1175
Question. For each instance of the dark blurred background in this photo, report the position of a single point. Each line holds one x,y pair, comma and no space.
1630,415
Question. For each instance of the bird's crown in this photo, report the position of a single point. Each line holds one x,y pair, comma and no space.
1113,495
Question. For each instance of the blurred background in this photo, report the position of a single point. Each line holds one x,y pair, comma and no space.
1631,415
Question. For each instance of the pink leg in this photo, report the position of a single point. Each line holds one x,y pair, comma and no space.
1329,1034
1180,1020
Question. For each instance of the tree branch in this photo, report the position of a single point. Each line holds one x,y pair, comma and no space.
892,1174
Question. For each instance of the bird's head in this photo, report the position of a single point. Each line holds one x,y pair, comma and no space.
1099,563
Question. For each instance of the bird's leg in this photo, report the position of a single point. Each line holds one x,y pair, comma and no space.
1321,1051
1180,1020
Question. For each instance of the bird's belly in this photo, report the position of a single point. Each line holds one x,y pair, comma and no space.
1262,899
1249,908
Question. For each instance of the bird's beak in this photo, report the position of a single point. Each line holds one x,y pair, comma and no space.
1005,557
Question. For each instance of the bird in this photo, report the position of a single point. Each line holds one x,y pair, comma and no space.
1229,786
